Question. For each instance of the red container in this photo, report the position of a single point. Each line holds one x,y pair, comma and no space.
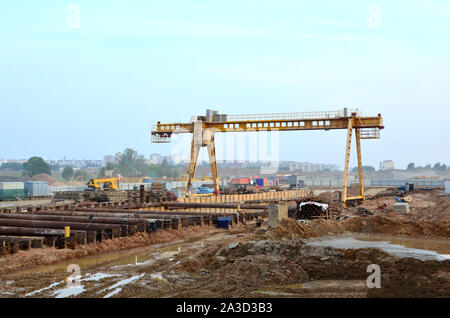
240,181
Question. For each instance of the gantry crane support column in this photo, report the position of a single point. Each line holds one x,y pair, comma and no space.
361,196
203,129
202,138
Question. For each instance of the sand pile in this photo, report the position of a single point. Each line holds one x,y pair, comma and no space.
45,177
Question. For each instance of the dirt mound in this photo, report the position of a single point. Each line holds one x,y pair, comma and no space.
289,229
440,211
381,224
413,278
258,270
45,177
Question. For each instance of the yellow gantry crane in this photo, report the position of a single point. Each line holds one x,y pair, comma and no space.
203,129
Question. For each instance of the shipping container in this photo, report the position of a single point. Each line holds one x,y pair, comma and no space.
12,194
37,188
240,181
53,190
262,182
11,185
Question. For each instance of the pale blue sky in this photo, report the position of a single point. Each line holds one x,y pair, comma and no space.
95,90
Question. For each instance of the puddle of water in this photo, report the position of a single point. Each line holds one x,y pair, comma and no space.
74,290
272,293
140,256
97,276
442,246
349,242
68,291
121,283
44,289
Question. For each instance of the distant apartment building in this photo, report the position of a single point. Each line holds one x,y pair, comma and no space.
310,167
21,161
387,165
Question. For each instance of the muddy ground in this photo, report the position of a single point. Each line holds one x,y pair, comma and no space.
245,261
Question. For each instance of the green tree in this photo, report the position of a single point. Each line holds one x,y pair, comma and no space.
439,167
109,166
411,166
67,173
365,168
36,165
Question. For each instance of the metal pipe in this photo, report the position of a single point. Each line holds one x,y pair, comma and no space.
57,225
70,218
215,205
157,212
11,230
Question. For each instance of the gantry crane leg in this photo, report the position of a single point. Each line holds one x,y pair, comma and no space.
360,167
212,161
202,138
361,196
347,161
196,145
195,149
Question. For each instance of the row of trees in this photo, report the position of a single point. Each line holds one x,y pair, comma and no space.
132,164
437,166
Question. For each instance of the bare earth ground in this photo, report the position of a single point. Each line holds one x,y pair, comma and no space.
246,261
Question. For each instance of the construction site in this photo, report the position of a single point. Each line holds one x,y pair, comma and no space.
246,236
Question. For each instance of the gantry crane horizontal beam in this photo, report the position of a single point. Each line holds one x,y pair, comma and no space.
284,122
204,127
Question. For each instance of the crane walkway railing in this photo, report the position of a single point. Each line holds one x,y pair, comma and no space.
285,116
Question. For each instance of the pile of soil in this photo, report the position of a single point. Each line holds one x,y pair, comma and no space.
289,229
283,267
385,225
439,211
46,178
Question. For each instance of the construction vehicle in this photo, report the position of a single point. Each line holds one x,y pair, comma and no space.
203,129
104,184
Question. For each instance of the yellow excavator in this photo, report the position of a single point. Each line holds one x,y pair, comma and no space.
104,184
